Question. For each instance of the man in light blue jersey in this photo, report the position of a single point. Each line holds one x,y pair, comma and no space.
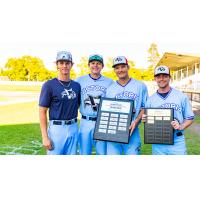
93,87
127,88
168,97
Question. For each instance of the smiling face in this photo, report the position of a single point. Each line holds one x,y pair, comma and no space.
162,80
121,71
64,67
95,67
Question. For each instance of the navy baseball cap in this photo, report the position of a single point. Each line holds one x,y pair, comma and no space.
96,57
64,55
161,70
119,60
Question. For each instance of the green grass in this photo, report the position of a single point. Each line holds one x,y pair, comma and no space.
3,99
197,119
21,139
20,88
19,113
20,132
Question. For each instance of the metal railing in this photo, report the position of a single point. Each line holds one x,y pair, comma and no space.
194,97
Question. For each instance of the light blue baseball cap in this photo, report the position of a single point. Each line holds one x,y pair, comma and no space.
64,55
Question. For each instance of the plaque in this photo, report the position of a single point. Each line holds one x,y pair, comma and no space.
113,120
158,128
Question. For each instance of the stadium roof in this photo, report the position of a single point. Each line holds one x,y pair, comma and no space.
176,61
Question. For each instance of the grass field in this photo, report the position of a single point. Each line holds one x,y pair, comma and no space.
20,88
20,132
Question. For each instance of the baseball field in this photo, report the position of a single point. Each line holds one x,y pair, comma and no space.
20,132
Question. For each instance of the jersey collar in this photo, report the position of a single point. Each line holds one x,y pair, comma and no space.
166,96
126,83
94,78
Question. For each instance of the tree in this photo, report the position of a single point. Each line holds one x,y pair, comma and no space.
153,59
108,70
27,68
83,67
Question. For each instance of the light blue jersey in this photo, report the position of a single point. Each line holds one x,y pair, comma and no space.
182,111
137,91
91,92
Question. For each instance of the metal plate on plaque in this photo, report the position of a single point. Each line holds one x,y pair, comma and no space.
158,128
113,120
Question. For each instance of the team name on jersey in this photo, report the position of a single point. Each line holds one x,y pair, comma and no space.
171,105
127,95
93,88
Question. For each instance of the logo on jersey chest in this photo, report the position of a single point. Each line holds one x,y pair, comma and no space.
127,95
93,88
172,105
70,94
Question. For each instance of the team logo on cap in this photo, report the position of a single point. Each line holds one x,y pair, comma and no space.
118,59
161,69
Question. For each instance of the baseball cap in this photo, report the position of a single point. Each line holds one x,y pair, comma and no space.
161,70
119,60
64,55
95,57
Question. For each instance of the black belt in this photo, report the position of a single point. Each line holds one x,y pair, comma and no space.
179,133
89,118
66,122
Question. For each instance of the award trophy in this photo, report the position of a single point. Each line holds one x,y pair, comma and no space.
158,128
113,120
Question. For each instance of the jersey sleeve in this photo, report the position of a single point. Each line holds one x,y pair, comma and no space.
45,96
79,96
187,109
144,96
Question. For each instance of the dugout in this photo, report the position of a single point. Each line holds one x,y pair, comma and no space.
185,69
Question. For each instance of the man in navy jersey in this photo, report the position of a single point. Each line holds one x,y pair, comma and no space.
168,97
61,97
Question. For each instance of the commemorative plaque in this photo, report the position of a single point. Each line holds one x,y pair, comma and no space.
158,128
113,120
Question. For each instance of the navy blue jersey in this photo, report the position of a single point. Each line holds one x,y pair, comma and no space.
62,99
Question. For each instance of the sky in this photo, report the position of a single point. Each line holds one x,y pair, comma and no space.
109,28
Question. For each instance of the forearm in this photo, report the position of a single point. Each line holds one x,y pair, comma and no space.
185,124
43,122
139,117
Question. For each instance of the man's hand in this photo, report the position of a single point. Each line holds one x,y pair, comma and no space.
175,124
132,127
144,118
47,143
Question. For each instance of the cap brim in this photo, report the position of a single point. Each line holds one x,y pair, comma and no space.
95,60
63,60
119,64
161,73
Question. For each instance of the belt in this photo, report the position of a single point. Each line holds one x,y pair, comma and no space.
64,122
89,118
179,133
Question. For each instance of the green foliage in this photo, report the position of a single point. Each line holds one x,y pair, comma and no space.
108,71
83,67
73,74
153,59
27,68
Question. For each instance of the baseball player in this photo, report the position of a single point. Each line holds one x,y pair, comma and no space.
61,96
93,87
127,88
168,97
